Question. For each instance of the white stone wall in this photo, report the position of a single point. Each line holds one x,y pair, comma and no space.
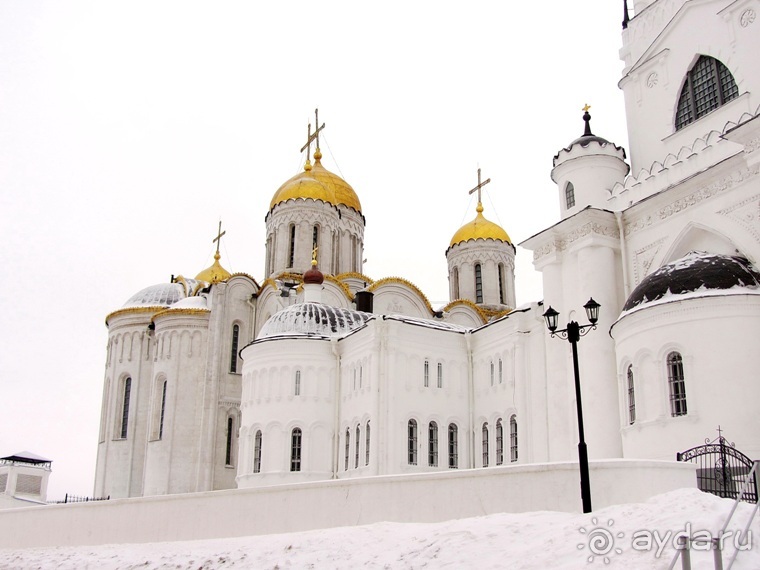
717,338
341,237
492,256
660,46
422,497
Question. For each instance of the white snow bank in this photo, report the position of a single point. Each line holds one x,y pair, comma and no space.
534,541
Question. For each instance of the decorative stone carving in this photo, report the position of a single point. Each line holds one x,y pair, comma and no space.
644,258
747,214
652,79
747,17
559,245
696,197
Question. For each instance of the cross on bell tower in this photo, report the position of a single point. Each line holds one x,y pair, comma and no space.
479,187
312,137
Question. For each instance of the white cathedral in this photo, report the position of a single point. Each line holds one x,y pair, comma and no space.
317,372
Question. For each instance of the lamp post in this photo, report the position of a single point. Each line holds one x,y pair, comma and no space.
573,334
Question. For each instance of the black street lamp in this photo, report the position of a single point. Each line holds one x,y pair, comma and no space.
573,334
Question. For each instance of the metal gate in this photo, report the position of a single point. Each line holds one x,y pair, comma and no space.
722,469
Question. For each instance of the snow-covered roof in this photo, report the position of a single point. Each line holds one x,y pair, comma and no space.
440,325
27,457
697,274
313,319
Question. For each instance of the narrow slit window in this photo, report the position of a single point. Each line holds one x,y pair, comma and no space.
453,446
234,348
433,444
292,248
478,284
412,442
499,442
356,455
440,374
295,449
677,385
366,446
125,408
631,397
228,447
485,444
297,386
348,449
163,410
426,374
257,452
513,439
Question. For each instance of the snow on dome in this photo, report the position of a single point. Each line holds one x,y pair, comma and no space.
197,302
161,295
696,271
313,319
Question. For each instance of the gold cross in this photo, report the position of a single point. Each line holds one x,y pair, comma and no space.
218,238
479,186
314,255
586,107
312,136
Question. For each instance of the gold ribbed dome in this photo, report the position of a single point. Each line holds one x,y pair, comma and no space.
479,228
214,274
317,183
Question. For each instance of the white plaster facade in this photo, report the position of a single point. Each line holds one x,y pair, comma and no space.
693,188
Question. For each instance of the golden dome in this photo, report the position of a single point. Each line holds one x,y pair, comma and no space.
480,228
214,274
317,183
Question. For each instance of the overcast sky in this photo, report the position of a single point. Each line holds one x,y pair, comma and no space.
128,129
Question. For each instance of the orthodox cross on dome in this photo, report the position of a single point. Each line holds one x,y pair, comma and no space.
479,186
587,119
218,238
312,137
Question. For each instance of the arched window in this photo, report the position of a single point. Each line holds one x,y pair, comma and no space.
292,247
234,348
348,449
358,439
433,444
631,396
513,439
499,442
163,409
336,253
426,374
478,284
315,240
295,450
440,374
502,290
228,447
708,85
454,284
125,407
569,195
453,446
677,385
361,375
297,384
257,452
366,446
485,444
354,253
501,371
492,373
412,442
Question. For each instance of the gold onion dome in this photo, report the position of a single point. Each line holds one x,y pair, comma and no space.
214,274
317,183
479,228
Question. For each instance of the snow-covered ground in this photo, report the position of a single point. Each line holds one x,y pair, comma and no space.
625,536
